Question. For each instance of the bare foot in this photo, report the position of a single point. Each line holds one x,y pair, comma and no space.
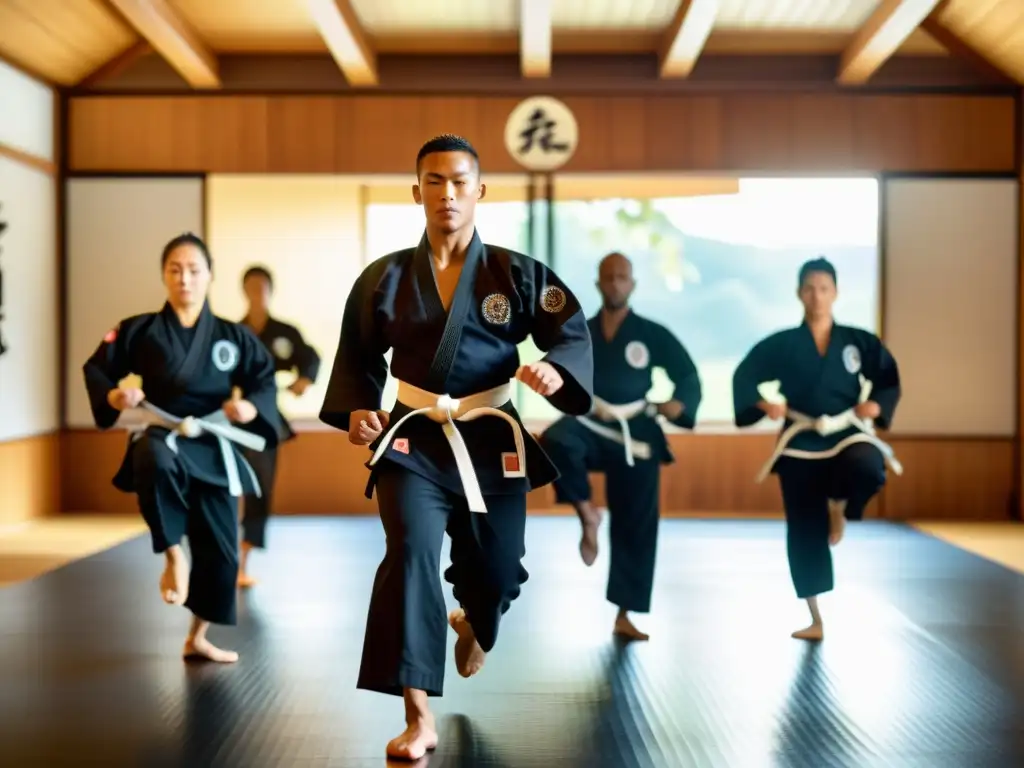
245,580
469,656
174,580
625,628
590,520
203,650
814,633
836,521
419,737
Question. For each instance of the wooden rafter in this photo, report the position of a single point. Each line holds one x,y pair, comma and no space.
159,24
535,38
685,37
340,28
880,37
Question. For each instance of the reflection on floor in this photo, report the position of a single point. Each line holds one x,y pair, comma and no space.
922,667
40,546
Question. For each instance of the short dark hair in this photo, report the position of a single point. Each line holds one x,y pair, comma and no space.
820,264
186,238
259,271
446,142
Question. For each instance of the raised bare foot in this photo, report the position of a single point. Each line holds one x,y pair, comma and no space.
469,656
836,521
174,580
419,737
202,649
625,628
590,520
245,580
814,633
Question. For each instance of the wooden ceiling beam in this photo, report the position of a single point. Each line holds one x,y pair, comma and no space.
535,21
880,37
159,24
116,66
685,37
346,40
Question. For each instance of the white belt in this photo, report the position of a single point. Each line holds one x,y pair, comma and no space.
622,414
446,410
828,425
137,420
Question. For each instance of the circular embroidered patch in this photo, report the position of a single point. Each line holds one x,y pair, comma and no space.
851,358
282,348
552,300
225,355
496,309
637,354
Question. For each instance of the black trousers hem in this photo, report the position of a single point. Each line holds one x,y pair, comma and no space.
433,685
628,603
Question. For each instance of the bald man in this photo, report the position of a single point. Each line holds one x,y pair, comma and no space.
622,438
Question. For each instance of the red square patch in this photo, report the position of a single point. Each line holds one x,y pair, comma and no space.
511,462
401,445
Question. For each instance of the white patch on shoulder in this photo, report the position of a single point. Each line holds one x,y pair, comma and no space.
553,299
851,358
282,348
225,355
637,354
496,309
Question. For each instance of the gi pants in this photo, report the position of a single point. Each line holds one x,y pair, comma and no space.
406,640
256,509
856,475
174,505
632,494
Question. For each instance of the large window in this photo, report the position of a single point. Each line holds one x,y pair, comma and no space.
716,264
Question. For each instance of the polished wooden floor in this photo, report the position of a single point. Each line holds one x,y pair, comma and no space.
923,666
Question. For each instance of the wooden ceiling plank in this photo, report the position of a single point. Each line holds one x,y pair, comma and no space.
880,37
535,25
685,37
173,38
346,40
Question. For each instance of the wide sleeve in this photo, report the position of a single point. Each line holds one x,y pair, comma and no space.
306,358
110,363
879,367
672,357
757,368
559,329
360,369
255,377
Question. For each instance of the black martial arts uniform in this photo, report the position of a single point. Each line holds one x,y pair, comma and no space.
622,375
291,353
183,483
501,298
815,468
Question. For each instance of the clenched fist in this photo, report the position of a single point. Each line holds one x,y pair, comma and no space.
366,426
541,377
868,410
774,411
122,399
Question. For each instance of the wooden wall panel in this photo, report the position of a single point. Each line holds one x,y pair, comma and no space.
321,473
29,479
782,132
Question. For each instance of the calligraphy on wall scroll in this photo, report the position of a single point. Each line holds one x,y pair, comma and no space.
541,134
